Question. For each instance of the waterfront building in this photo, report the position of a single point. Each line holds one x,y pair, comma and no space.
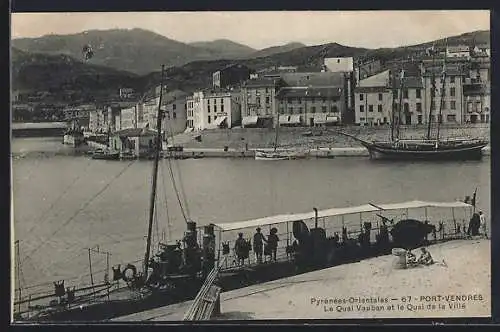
477,101
79,114
126,93
412,101
374,100
137,142
460,51
366,69
258,101
230,76
174,107
313,99
342,64
210,109
452,106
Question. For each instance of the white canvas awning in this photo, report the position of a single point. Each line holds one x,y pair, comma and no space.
250,120
319,118
284,218
220,120
284,119
332,119
294,119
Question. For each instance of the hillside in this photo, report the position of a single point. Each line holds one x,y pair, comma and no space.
60,73
277,49
138,51
66,79
226,49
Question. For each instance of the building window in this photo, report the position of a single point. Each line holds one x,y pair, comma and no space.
452,79
323,108
174,115
267,100
290,100
452,92
313,109
312,100
453,105
174,106
267,90
299,100
451,118
419,119
334,109
379,108
405,93
208,108
282,111
222,108
362,119
301,110
379,96
361,108
419,107
419,93
370,108
222,101
257,100
443,104
406,107
215,101
361,96
209,119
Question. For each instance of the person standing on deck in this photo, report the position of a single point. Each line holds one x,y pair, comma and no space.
240,248
258,244
482,222
272,242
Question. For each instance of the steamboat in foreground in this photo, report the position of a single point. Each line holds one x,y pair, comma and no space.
307,241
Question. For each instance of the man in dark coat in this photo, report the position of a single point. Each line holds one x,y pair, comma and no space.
258,244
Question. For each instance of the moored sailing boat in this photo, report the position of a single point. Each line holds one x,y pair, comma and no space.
428,148
279,153
172,273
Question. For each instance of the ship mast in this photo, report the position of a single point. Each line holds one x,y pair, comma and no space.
401,87
433,91
443,81
155,176
278,123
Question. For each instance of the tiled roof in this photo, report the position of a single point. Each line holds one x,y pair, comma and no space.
439,70
369,89
311,92
409,82
261,82
314,79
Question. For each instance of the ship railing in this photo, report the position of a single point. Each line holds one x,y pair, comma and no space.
452,228
207,301
334,220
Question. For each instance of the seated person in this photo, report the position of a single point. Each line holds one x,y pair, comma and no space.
425,258
411,259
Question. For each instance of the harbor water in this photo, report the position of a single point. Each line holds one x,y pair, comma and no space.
66,203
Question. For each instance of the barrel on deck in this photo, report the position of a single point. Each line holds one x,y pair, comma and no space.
400,262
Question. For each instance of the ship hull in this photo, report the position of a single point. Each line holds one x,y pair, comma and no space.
390,152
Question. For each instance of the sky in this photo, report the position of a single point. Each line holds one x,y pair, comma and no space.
371,29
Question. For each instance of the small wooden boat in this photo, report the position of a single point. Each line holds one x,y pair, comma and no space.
106,155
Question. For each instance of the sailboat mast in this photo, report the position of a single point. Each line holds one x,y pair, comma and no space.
277,128
443,81
398,123
433,91
155,175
